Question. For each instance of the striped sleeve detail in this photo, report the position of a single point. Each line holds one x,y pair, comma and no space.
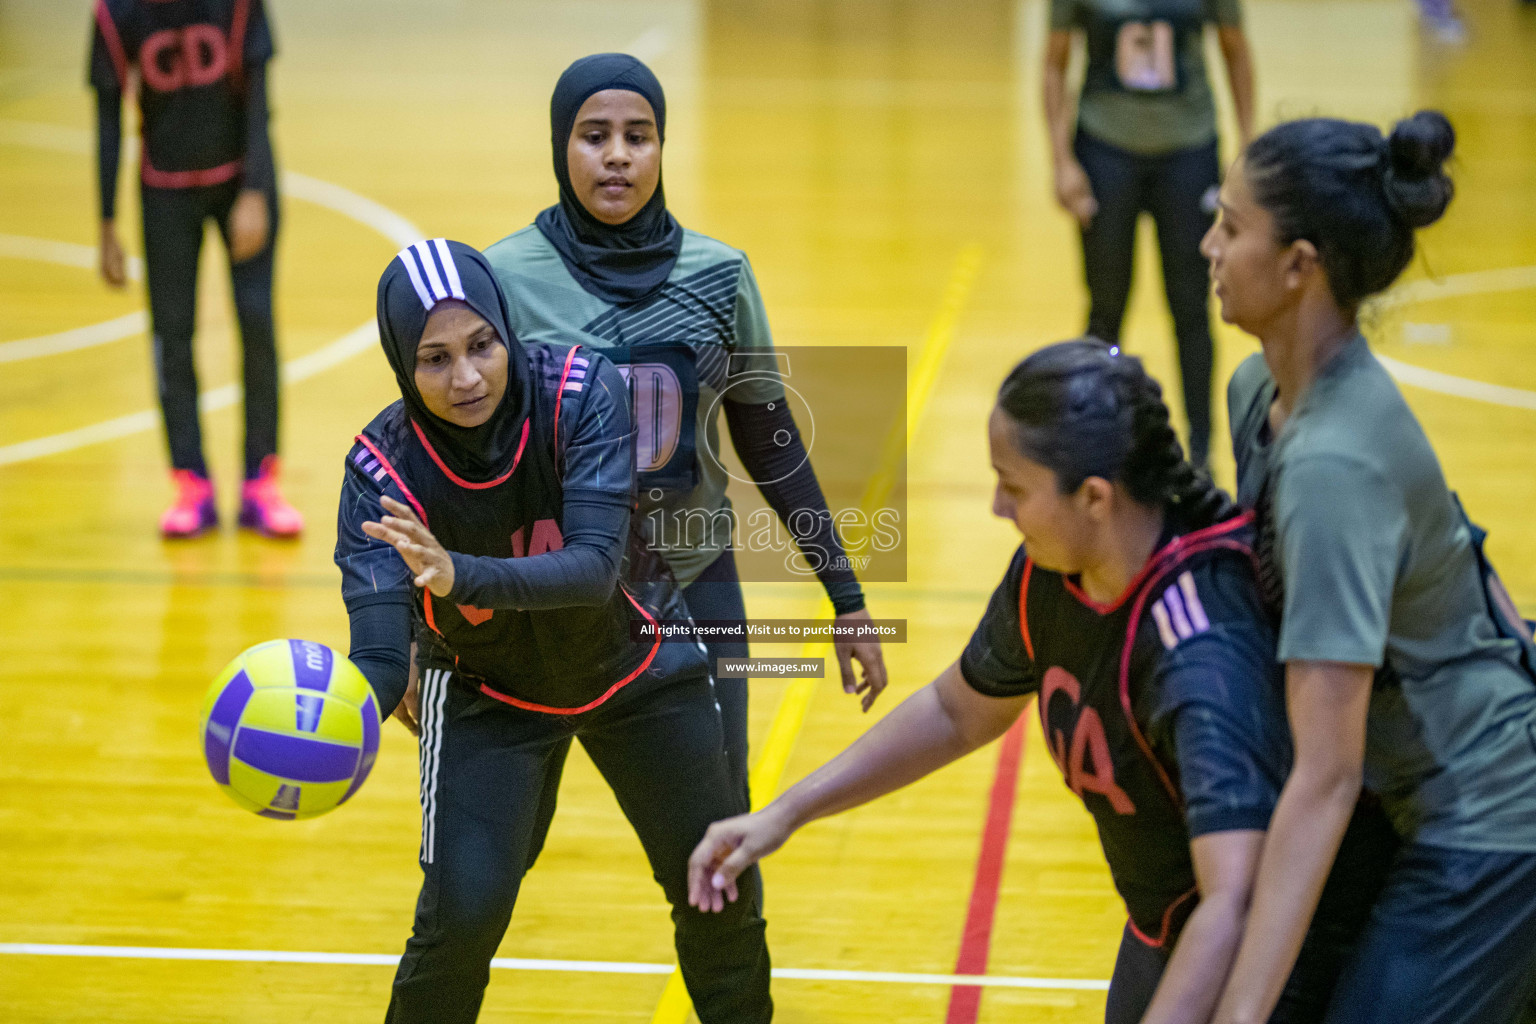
1179,614
368,463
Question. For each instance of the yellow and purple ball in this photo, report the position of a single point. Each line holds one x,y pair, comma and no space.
290,729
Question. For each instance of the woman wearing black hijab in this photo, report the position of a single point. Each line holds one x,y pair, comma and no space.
610,268
488,512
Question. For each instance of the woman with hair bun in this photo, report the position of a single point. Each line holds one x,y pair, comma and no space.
1407,668
1132,612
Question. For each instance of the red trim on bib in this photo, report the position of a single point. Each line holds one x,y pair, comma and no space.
114,42
1162,936
615,688
421,512
155,178
451,475
1029,645
570,357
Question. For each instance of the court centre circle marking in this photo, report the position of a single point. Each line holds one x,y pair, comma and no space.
1478,282
279,956
70,255
349,204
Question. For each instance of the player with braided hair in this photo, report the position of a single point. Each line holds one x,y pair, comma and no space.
1132,612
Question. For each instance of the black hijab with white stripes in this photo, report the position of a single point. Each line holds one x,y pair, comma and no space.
419,278
619,263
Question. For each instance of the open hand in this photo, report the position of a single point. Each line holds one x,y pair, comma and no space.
402,531
867,654
727,849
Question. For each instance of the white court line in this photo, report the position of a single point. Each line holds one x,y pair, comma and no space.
385,221
359,339
69,254
299,186
1477,282
56,137
1461,387
276,956
73,340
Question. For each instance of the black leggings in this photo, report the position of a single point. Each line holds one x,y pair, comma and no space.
490,773
1177,190
173,238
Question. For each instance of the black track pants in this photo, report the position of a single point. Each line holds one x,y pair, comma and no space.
489,775
173,238
1177,190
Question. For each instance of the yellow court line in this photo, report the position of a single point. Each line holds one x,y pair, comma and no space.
675,1006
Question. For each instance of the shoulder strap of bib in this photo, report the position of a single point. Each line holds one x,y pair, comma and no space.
566,384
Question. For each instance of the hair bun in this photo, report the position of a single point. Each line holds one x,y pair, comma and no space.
1417,187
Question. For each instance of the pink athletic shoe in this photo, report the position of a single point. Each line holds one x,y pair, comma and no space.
262,507
193,512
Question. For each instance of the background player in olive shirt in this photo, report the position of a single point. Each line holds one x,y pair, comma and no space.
1132,611
1145,141
610,268
1404,667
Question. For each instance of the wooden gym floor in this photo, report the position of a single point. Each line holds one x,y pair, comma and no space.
883,163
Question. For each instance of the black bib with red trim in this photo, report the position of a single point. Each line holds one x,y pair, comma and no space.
1092,662
558,661
190,59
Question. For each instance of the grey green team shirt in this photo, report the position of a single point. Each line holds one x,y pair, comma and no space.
1146,88
1377,568
706,321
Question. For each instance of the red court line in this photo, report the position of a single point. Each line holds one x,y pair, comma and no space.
976,940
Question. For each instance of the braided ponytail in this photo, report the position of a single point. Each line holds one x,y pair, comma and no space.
1156,471
1082,409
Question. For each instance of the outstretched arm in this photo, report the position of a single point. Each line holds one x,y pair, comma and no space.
940,723
581,565
772,452
1225,863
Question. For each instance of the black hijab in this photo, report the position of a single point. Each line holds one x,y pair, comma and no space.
416,280
619,263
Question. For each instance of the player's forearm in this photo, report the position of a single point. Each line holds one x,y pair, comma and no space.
259,169
1193,981
381,644
1239,61
1058,110
109,142
1304,835
581,574
771,450
913,740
